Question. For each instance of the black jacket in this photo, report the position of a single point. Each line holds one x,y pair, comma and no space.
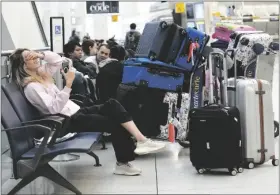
85,68
108,80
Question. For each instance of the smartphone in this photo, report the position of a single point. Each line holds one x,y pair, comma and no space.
65,65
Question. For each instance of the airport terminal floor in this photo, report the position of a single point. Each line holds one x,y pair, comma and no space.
204,94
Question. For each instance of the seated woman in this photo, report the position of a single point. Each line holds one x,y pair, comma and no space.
111,117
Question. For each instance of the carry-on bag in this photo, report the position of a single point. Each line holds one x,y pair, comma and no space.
143,72
215,134
160,41
224,30
253,98
191,49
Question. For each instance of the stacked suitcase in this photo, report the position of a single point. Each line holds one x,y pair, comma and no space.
223,31
166,58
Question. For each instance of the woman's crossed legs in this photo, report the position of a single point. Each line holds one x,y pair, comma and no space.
111,117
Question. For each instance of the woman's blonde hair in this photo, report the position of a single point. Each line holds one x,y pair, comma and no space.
20,75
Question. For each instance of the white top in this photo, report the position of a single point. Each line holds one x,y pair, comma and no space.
50,100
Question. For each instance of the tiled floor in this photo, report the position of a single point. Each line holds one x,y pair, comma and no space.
168,172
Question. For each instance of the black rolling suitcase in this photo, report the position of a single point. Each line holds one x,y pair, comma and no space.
160,41
215,134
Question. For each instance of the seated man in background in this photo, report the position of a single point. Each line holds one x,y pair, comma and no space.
102,54
110,74
39,89
89,47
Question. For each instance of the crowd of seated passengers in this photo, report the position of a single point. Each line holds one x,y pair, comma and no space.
105,61
38,86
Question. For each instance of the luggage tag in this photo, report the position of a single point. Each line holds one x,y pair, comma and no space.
171,131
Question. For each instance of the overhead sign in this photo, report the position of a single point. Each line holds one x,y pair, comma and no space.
102,7
180,7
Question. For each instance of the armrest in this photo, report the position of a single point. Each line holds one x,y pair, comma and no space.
49,121
39,153
78,97
58,114
53,121
80,103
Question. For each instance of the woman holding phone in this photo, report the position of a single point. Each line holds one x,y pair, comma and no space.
37,83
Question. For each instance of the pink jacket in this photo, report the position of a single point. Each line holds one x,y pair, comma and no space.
51,100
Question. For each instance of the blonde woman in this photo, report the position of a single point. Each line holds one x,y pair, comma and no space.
37,83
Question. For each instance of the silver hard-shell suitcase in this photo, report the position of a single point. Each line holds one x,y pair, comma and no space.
253,98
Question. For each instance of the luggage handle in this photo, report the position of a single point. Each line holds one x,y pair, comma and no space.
211,91
163,73
233,52
213,105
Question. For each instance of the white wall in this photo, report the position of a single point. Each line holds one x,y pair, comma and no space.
22,25
52,9
98,26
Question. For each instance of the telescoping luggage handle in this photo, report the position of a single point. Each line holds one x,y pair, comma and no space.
211,90
233,52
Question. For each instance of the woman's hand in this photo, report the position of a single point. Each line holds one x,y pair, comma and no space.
31,55
69,76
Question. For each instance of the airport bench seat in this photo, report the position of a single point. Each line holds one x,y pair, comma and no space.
81,143
30,161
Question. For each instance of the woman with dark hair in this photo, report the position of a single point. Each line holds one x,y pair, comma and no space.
39,89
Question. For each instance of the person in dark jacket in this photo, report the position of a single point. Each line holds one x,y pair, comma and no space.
74,36
110,74
73,50
132,38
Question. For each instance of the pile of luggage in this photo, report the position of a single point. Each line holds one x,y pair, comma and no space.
235,129
157,81
167,79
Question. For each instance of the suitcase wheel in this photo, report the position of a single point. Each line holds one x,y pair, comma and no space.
233,172
250,165
275,162
240,169
200,170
